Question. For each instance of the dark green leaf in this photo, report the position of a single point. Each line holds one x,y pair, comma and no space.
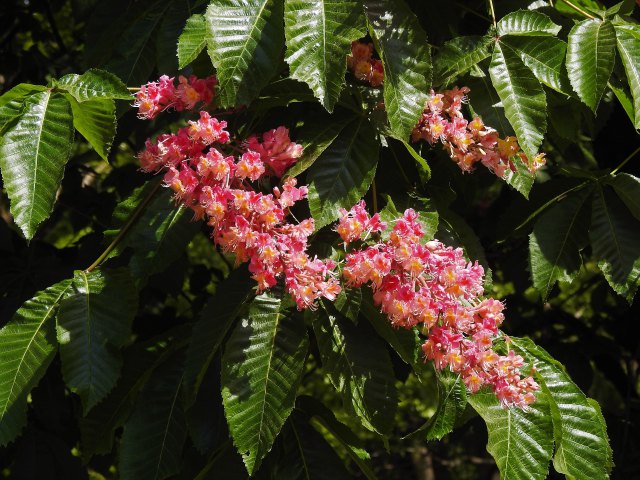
28,346
459,55
522,96
261,368
192,40
628,39
527,23
521,179
94,84
94,322
33,152
245,38
319,35
167,34
96,121
343,172
628,189
590,58
406,56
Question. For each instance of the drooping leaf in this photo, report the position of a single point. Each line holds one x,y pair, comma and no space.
244,40
343,173
520,442
628,189
522,96
628,40
591,55
94,84
154,435
192,40
527,23
458,56
365,381
452,401
406,57
28,346
93,323
613,239
96,121
12,102
623,94
261,368
212,326
545,57
319,35
580,434
34,149
554,246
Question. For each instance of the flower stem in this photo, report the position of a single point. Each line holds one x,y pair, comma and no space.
623,163
579,10
493,14
133,218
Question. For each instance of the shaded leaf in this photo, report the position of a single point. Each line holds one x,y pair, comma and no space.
628,189
34,149
459,55
96,121
192,40
319,35
94,84
628,40
261,367
28,346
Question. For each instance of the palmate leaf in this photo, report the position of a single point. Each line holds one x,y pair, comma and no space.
93,84
591,55
96,121
319,35
554,246
580,434
365,381
520,442
628,40
214,323
34,149
628,189
343,172
527,23
244,40
459,55
154,435
406,57
522,96
613,239
261,367
192,40
28,346
93,323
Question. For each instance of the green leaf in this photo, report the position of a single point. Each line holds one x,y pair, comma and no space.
96,121
628,40
613,239
527,23
628,189
319,35
348,303
192,40
522,96
261,368
452,401
623,95
582,445
521,179
591,55
12,102
454,231
343,172
520,442
28,346
545,57
33,152
554,246
245,38
315,136
406,57
94,84
365,381
213,325
154,435
93,323
459,55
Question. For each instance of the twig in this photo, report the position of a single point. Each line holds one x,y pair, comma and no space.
579,10
493,14
623,163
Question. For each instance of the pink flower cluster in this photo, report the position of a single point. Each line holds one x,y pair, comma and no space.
363,66
155,97
246,222
468,143
434,287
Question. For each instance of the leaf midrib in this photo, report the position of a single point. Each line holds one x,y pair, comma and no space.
166,428
37,156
